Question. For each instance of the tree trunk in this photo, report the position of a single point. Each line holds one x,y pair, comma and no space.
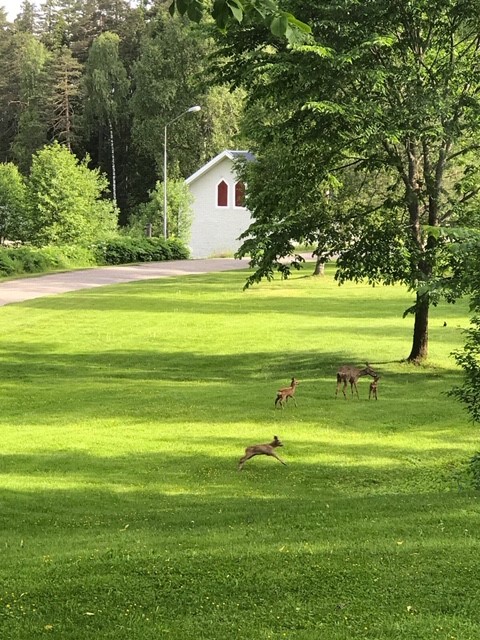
319,268
420,330
112,150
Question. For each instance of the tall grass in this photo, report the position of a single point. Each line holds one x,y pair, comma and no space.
124,413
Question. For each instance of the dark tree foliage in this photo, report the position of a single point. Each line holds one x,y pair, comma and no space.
384,88
43,68
469,359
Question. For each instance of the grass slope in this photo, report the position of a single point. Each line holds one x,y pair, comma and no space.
124,413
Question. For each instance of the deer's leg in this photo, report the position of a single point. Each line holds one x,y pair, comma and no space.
339,383
242,461
290,397
246,457
278,458
343,390
354,384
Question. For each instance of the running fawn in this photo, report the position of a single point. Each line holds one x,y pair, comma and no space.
351,375
261,449
373,388
288,392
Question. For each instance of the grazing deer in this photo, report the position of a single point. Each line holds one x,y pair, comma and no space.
287,392
373,388
267,449
351,375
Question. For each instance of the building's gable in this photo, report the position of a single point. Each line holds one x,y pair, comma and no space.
209,166
220,216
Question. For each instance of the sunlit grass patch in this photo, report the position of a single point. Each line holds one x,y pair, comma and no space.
125,411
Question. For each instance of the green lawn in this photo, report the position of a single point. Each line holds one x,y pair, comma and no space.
124,413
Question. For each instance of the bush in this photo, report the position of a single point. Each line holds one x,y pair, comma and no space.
179,214
26,259
65,202
469,359
475,469
127,250
29,260
69,256
7,266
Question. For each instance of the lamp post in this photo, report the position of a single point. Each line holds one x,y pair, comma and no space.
191,110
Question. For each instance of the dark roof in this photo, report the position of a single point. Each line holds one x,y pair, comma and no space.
243,154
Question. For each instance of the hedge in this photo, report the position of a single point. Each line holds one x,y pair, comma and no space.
26,259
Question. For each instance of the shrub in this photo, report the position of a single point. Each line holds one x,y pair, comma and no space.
68,256
179,214
27,259
469,359
125,250
65,199
12,202
475,469
7,266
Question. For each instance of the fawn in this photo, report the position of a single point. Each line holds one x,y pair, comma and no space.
267,449
373,388
351,375
287,392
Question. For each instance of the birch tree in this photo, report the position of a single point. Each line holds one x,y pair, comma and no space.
106,85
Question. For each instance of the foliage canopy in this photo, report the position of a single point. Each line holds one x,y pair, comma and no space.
64,200
389,91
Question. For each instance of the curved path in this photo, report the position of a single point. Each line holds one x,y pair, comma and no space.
53,283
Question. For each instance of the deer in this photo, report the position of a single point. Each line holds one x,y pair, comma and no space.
284,394
267,449
349,374
373,388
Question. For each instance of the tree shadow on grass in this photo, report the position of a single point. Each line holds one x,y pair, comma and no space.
126,388
162,296
132,386
188,465
39,361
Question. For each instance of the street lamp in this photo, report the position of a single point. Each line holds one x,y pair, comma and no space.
191,110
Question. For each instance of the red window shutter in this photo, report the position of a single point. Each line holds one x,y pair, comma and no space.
239,194
222,194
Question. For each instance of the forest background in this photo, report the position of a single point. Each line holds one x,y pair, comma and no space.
110,101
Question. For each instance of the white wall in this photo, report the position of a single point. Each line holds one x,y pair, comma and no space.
215,229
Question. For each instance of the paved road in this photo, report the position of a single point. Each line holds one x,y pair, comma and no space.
53,283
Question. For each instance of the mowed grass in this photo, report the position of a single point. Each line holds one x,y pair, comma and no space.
124,412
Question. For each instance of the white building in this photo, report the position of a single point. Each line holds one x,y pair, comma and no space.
219,214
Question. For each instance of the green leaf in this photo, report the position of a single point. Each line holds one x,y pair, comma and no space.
236,8
182,6
221,13
324,107
278,25
195,10
294,23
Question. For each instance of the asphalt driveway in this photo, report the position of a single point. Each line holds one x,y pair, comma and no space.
53,283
